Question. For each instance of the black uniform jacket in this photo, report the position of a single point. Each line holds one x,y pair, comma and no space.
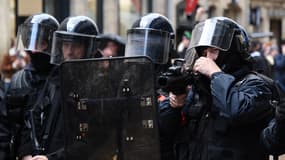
224,123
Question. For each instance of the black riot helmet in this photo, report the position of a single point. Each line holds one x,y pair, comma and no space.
35,34
224,34
152,35
75,39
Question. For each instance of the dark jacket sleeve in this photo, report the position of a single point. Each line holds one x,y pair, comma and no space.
25,146
169,118
170,125
4,137
273,137
169,121
5,134
244,101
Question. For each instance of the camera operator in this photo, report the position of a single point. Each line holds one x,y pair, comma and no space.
152,35
227,108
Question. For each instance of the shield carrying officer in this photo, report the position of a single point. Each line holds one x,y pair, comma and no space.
74,39
153,36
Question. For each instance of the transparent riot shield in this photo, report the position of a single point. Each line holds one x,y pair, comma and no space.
109,109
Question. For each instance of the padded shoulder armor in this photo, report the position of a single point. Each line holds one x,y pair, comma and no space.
19,80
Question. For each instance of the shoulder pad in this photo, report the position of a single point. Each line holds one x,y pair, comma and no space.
19,80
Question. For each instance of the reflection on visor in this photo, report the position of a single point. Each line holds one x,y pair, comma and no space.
207,33
34,38
33,35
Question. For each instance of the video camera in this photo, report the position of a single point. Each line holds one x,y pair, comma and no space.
176,79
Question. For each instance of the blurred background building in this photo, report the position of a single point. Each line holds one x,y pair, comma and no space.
261,18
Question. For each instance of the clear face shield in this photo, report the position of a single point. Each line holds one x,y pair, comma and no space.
147,42
67,46
34,38
190,57
212,33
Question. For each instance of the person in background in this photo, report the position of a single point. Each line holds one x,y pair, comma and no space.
261,65
13,62
279,67
184,44
111,45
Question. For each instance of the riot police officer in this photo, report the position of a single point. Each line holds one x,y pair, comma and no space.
153,36
35,38
111,45
75,39
228,105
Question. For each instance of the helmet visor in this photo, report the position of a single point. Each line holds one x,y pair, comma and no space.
35,38
68,46
147,42
212,33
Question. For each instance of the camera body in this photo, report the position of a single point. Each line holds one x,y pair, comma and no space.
176,80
